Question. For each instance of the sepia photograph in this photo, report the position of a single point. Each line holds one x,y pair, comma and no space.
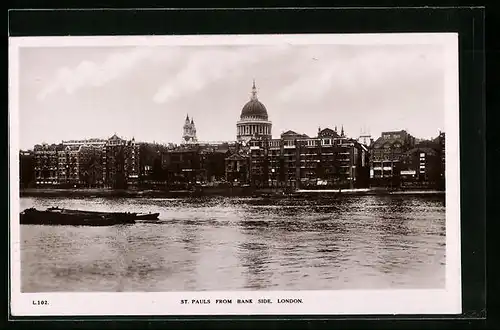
224,174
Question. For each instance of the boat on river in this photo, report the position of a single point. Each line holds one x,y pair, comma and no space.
147,216
118,215
135,216
57,216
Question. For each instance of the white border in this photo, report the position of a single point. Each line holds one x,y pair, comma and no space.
446,301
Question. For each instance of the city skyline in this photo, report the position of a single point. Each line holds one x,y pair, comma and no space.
70,93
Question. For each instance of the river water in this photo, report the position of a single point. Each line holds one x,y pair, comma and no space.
354,242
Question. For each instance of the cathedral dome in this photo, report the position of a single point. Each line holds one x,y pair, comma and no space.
254,108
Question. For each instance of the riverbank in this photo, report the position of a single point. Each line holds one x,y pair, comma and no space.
228,192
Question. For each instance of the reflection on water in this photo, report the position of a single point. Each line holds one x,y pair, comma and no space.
356,242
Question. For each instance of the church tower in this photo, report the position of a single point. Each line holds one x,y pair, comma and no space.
189,132
365,137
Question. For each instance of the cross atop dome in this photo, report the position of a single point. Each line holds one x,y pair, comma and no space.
254,92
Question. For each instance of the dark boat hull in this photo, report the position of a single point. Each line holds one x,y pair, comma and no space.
51,217
122,216
149,216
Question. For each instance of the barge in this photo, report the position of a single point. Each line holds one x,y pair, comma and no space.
58,216
135,216
53,216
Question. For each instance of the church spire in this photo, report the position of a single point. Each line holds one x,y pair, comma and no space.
254,92
342,131
189,133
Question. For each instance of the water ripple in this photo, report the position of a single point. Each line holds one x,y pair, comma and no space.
241,244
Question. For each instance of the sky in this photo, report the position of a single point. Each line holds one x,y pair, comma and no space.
146,92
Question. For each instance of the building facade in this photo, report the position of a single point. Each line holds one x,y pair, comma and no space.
423,165
399,160
441,141
236,168
183,167
46,164
420,167
195,164
121,163
68,173
254,121
26,169
91,166
87,163
151,172
213,163
386,154
329,160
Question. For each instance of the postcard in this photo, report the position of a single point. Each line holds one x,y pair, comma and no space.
311,174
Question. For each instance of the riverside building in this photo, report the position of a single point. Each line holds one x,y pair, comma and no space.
423,165
329,160
387,153
26,169
399,160
46,164
199,163
121,163
87,163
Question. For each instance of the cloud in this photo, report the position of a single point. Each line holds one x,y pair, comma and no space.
190,68
88,73
203,67
370,69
